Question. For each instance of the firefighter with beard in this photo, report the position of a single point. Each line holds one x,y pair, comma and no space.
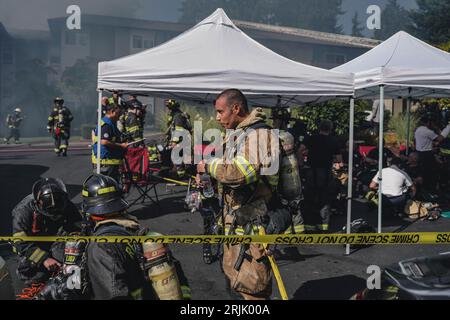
126,271
247,194
290,189
58,124
178,124
47,211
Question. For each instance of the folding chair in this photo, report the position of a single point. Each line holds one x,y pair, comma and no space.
135,172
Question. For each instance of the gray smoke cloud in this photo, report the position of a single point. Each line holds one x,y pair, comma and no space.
25,14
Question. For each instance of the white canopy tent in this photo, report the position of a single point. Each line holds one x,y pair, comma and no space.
215,55
400,67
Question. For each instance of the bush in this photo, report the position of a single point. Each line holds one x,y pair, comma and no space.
399,125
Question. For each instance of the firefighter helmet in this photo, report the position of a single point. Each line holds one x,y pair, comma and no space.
281,113
171,104
102,195
59,100
18,110
50,196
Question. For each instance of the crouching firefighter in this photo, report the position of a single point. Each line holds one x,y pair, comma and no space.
289,187
246,197
126,271
46,212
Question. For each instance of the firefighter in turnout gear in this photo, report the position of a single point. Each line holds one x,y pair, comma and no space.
134,123
13,122
47,211
126,271
111,148
117,99
178,125
59,125
290,187
246,193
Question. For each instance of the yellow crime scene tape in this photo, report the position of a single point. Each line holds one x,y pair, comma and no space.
291,239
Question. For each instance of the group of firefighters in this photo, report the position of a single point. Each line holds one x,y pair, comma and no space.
252,203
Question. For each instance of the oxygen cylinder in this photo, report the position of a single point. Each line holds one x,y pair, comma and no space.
290,186
161,271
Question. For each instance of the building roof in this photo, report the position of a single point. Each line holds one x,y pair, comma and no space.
257,30
304,35
3,31
23,34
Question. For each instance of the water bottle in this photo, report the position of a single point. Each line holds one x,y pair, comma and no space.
208,190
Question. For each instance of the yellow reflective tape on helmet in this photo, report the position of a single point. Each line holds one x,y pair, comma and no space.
85,193
106,190
246,169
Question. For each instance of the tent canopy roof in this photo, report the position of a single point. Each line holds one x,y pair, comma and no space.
401,62
215,55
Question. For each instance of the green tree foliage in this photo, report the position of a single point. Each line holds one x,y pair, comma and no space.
81,80
35,93
356,26
393,19
308,14
431,21
336,111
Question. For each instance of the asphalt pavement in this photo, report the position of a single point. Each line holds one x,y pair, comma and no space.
308,271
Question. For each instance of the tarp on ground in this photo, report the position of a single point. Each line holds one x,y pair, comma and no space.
215,55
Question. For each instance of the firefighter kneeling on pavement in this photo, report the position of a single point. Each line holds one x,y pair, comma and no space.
59,125
47,211
247,195
126,271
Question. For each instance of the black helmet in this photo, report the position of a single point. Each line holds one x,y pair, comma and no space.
281,113
102,195
50,196
171,104
59,100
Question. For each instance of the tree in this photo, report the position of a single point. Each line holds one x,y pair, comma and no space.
431,21
393,19
81,79
356,26
336,111
308,14
36,94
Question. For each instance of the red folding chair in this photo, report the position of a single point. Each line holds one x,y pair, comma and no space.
135,172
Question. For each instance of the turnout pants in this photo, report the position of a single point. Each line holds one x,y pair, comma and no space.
13,133
61,142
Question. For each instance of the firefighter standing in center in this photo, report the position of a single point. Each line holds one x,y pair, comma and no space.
58,124
246,196
126,271
177,123
134,123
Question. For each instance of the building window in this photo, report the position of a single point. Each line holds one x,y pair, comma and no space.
149,44
71,38
83,39
7,58
334,58
137,42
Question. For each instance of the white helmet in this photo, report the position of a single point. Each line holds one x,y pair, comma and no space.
17,110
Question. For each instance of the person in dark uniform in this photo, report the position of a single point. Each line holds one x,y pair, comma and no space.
58,124
47,211
134,123
13,122
111,148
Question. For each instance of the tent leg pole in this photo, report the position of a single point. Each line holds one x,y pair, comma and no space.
350,170
408,129
380,158
99,128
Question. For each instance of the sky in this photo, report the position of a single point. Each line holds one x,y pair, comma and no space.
26,14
